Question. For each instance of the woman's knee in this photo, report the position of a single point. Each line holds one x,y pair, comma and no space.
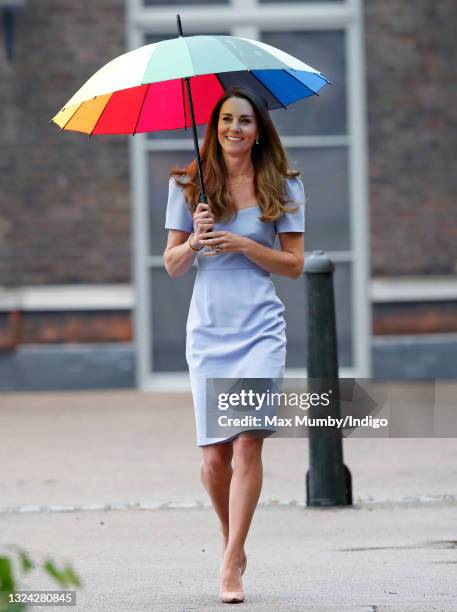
247,449
217,458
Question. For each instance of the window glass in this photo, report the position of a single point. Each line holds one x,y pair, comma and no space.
160,165
326,113
324,173
170,299
293,295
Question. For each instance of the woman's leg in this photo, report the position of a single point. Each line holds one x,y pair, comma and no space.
245,489
216,474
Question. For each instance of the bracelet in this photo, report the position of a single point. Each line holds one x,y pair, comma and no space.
193,248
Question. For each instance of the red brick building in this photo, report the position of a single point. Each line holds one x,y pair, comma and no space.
84,299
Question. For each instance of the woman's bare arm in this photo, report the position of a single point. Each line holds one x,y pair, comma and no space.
178,256
288,261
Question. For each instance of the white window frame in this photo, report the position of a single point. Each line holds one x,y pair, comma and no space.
239,15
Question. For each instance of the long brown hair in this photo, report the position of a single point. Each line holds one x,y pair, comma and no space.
269,160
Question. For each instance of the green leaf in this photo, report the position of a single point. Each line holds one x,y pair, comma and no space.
6,575
6,606
7,586
65,577
51,569
71,576
26,562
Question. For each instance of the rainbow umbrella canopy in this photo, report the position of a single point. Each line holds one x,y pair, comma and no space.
145,90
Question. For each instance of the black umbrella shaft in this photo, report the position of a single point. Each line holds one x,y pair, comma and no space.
178,21
203,197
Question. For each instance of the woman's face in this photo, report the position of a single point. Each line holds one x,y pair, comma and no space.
237,126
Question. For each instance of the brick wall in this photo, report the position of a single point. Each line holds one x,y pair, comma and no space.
65,204
65,200
59,224
412,113
20,328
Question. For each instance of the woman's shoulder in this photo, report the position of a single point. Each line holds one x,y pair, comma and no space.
294,182
294,188
179,180
178,215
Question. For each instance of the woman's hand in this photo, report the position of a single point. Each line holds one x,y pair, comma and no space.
203,222
223,242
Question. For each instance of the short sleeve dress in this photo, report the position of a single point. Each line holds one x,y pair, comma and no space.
235,326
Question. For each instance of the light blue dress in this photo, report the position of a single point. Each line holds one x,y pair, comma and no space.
235,327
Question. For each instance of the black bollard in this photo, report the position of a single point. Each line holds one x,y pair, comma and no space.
328,480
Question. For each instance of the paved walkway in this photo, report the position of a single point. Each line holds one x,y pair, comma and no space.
109,480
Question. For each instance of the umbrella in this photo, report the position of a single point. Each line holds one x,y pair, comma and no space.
143,90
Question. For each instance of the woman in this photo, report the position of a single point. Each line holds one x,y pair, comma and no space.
235,326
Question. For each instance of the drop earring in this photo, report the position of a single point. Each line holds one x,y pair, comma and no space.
257,140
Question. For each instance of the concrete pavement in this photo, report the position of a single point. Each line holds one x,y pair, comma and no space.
109,480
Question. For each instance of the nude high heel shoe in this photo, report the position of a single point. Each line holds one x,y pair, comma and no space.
232,596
